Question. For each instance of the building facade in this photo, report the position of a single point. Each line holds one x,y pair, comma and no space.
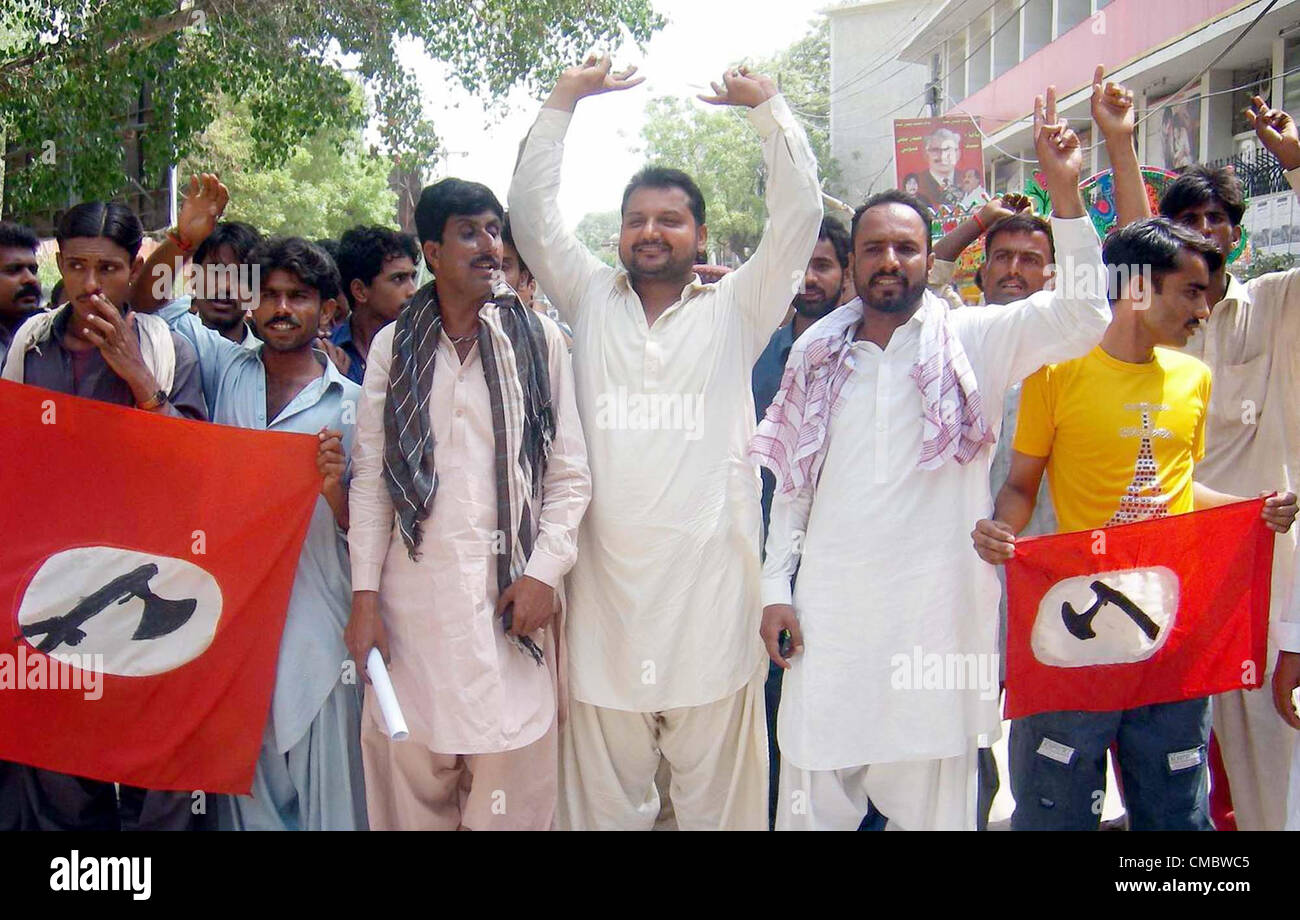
989,59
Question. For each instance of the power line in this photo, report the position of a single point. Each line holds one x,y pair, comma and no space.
1172,99
889,50
1014,13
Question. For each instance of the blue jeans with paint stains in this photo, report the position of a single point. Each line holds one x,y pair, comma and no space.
1058,767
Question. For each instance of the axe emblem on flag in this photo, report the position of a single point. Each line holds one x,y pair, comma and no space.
160,617
144,613
1080,624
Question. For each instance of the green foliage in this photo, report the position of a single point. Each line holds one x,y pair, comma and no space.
73,73
328,184
596,230
1262,264
718,148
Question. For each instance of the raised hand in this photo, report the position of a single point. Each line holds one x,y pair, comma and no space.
741,87
1002,207
1112,107
1059,156
590,78
1276,130
201,209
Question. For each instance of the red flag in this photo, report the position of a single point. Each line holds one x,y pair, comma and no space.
1169,609
159,552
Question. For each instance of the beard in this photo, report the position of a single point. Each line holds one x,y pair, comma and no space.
816,307
902,299
669,269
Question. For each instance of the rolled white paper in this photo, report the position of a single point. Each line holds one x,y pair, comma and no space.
383,687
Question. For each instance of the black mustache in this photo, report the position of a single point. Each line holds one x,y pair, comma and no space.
28,290
897,276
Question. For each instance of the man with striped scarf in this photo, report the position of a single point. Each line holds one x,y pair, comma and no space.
470,479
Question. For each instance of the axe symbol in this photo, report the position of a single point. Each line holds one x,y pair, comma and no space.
1080,624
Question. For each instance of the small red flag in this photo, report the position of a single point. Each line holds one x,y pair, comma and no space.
145,574
1168,609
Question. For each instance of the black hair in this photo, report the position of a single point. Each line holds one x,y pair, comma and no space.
894,196
443,200
833,231
508,238
913,176
96,219
362,252
239,236
1153,242
662,177
1021,222
16,236
1199,184
309,262
331,247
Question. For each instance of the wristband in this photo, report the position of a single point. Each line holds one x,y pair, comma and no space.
175,236
979,223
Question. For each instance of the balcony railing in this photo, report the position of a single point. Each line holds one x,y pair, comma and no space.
1259,172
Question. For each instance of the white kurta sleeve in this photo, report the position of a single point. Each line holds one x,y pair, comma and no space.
562,264
786,534
1050,326
566,487
369,505
763,287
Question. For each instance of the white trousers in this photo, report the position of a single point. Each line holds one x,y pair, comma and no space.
919,795
1256,746
717,754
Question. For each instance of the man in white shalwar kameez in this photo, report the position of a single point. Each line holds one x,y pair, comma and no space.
880,443
1251,343
664,598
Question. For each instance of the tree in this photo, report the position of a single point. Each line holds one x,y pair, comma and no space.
72,72
328,184
717,148
596,230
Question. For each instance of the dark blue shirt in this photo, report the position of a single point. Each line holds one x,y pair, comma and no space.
342,337
766,380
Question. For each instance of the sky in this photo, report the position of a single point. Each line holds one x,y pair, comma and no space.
602,150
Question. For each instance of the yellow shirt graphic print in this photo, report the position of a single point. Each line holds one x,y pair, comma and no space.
1121,439
1144,498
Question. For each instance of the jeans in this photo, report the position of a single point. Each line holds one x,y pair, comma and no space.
1058,767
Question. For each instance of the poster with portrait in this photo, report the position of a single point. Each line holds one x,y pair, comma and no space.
941,161
1173,128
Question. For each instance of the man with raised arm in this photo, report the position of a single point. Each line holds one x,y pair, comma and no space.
1252,439
664,599
879,441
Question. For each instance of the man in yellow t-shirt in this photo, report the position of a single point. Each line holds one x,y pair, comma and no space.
1119,432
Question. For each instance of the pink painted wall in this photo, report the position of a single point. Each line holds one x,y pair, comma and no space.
1131,28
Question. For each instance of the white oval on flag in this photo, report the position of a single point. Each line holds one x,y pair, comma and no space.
1120,613
144,613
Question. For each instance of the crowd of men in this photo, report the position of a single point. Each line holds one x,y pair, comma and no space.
550,522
